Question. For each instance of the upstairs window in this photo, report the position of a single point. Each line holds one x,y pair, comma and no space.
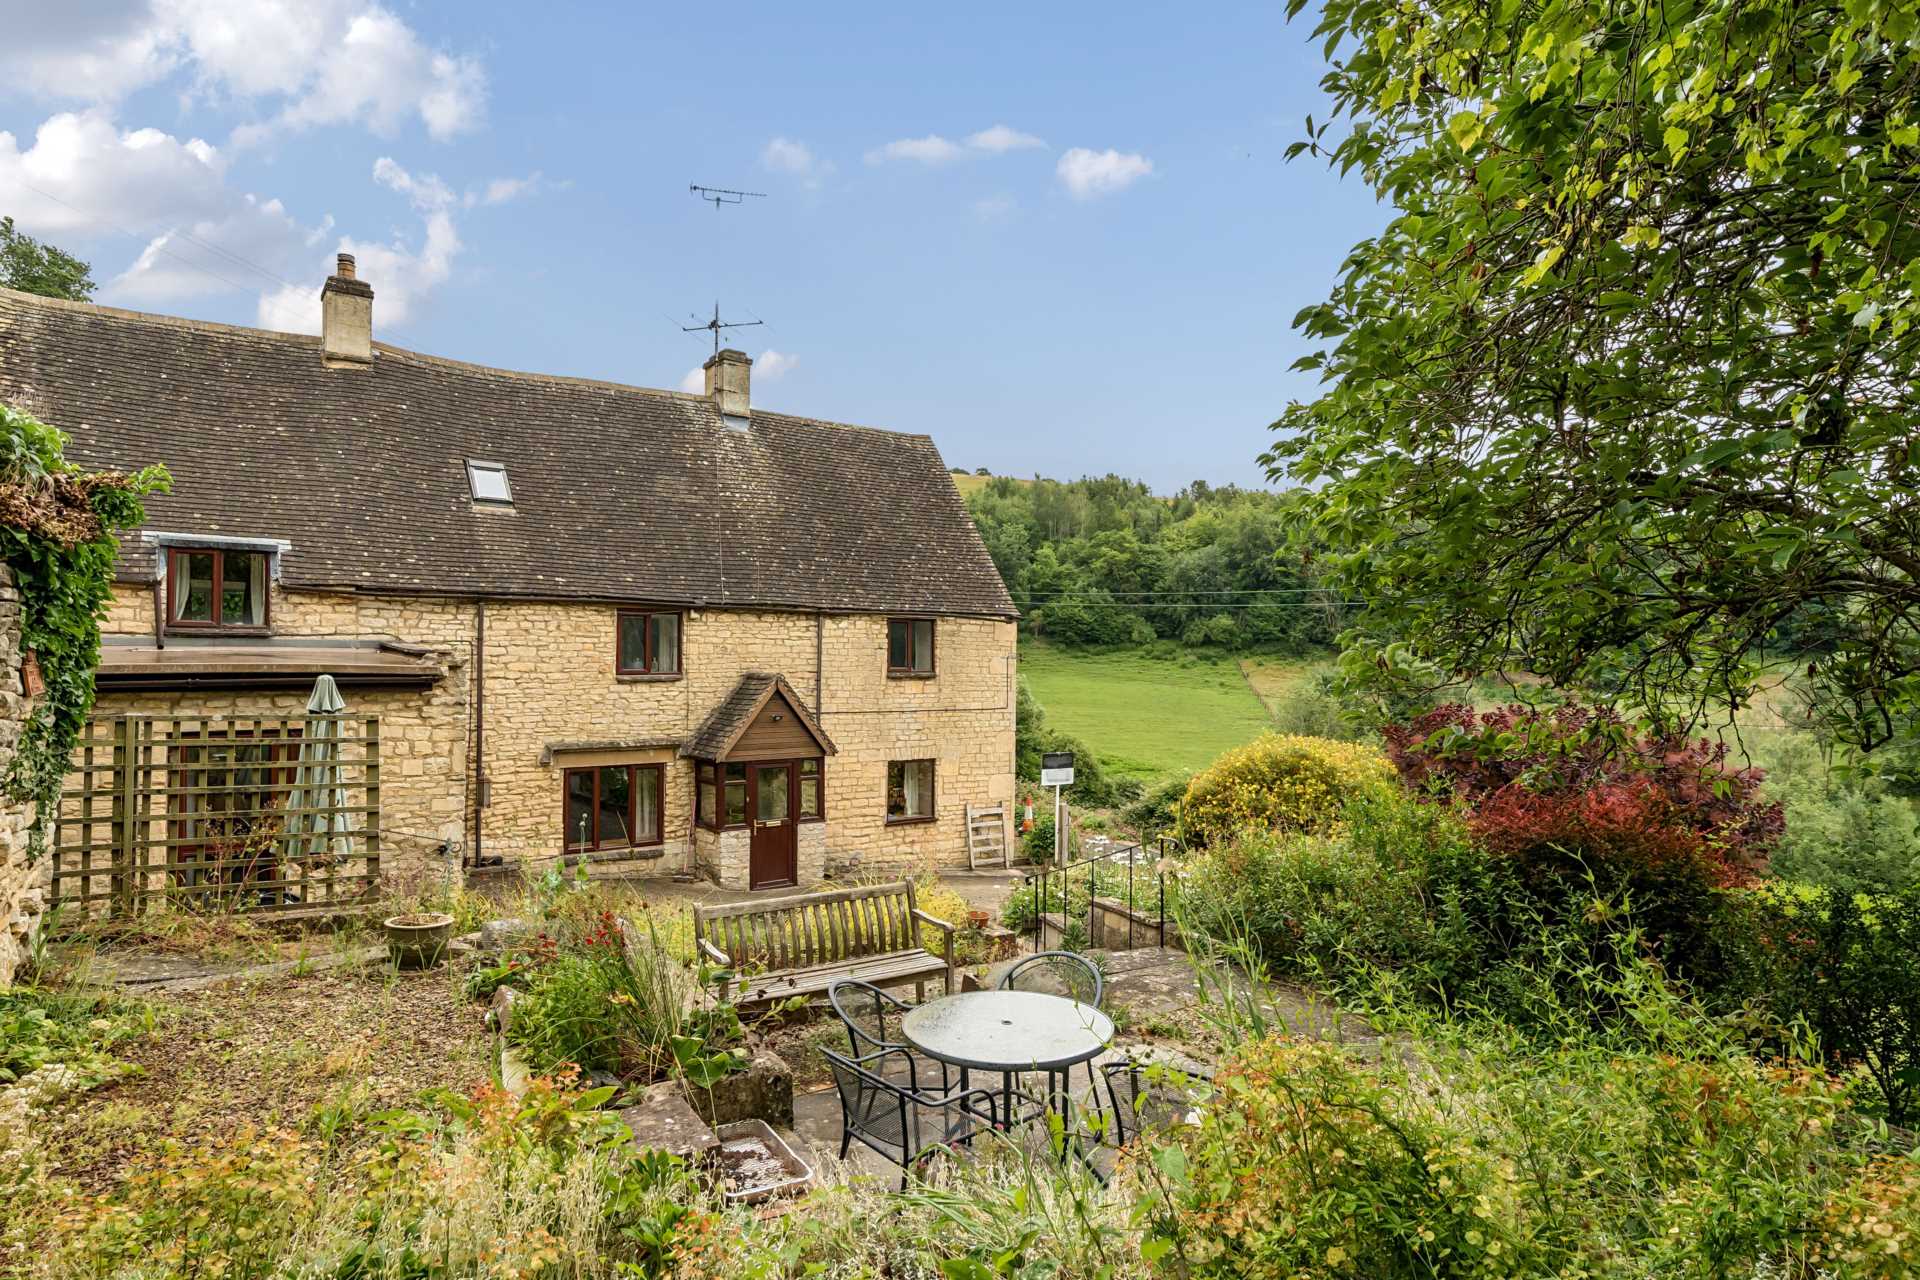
216,589
909,646
647,644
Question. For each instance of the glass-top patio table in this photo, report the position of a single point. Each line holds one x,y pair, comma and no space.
1009,1032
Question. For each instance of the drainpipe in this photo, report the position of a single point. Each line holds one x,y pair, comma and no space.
819,660
479,725
159,629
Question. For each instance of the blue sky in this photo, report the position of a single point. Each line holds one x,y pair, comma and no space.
1060,239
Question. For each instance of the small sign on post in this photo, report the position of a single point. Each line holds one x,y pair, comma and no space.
1056,771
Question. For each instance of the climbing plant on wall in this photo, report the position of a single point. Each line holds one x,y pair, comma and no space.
57,527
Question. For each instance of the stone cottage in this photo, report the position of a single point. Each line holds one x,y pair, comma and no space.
593,620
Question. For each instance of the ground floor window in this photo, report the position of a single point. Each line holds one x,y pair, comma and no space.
613,806
909,790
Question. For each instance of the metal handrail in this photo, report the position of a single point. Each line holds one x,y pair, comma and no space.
1046,872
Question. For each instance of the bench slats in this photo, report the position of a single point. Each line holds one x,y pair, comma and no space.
805,941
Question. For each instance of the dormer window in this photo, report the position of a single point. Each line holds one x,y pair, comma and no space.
488,483
216,589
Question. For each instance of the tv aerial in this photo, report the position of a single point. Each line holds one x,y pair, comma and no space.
717,326
717,196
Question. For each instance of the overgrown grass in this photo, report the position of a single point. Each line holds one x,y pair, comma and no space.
1148,712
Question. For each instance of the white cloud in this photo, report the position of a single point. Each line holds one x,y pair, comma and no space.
784,155
1096,173
212,256
84,52
932,149
501,190
292,64
83,174
1001,138
329,61
774,364
695,383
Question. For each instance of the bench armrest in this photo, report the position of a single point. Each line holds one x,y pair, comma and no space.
943,927
715,954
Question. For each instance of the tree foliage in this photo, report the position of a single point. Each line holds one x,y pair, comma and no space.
33,267
1628,388
1102,561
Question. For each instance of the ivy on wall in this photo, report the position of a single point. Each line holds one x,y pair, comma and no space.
57,527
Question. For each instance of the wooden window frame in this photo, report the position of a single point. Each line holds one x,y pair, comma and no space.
715,821
708,817
720,822
933,792
633,807
646,671
220,554
910,671
820,794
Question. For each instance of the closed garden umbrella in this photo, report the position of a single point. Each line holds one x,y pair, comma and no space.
322,834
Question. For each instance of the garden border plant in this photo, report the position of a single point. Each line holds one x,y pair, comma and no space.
57,527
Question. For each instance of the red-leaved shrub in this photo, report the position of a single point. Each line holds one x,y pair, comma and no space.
1575,790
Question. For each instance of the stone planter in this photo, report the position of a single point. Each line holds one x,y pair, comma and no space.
764,1091
418,941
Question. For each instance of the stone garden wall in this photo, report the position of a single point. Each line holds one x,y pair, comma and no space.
22,887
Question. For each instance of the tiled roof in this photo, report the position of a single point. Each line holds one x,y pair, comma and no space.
620,493
725,723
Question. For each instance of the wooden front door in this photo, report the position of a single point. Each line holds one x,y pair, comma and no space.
775,860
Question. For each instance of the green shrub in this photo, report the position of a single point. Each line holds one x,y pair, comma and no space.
1309,707
605,998
1157,812
74,1030
1846,963
1280,783
1663,1150
1313,904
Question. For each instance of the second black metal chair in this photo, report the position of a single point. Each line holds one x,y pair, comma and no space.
906,1124
1057,973
872,1019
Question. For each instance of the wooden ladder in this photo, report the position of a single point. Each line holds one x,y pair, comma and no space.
987,836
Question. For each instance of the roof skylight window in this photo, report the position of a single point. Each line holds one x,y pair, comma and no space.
488,481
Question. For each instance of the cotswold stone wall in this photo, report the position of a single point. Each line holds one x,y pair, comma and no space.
553,701
22,887
425,752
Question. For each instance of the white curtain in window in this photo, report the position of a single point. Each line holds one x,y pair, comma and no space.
914,781
257,596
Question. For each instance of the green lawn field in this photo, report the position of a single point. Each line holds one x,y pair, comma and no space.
1145,717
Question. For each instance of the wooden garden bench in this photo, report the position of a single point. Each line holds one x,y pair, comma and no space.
800,945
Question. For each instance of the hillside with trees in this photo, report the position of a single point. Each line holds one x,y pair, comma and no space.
1103,561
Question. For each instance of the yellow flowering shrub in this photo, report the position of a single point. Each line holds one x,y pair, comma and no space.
1280,782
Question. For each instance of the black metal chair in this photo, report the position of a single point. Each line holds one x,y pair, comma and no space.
872,1019
906,1125
1057,973
1060,973
1150,1096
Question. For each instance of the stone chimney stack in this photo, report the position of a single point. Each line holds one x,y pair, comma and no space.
729,375
346,318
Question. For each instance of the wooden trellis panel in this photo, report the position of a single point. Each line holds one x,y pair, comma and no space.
192,811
